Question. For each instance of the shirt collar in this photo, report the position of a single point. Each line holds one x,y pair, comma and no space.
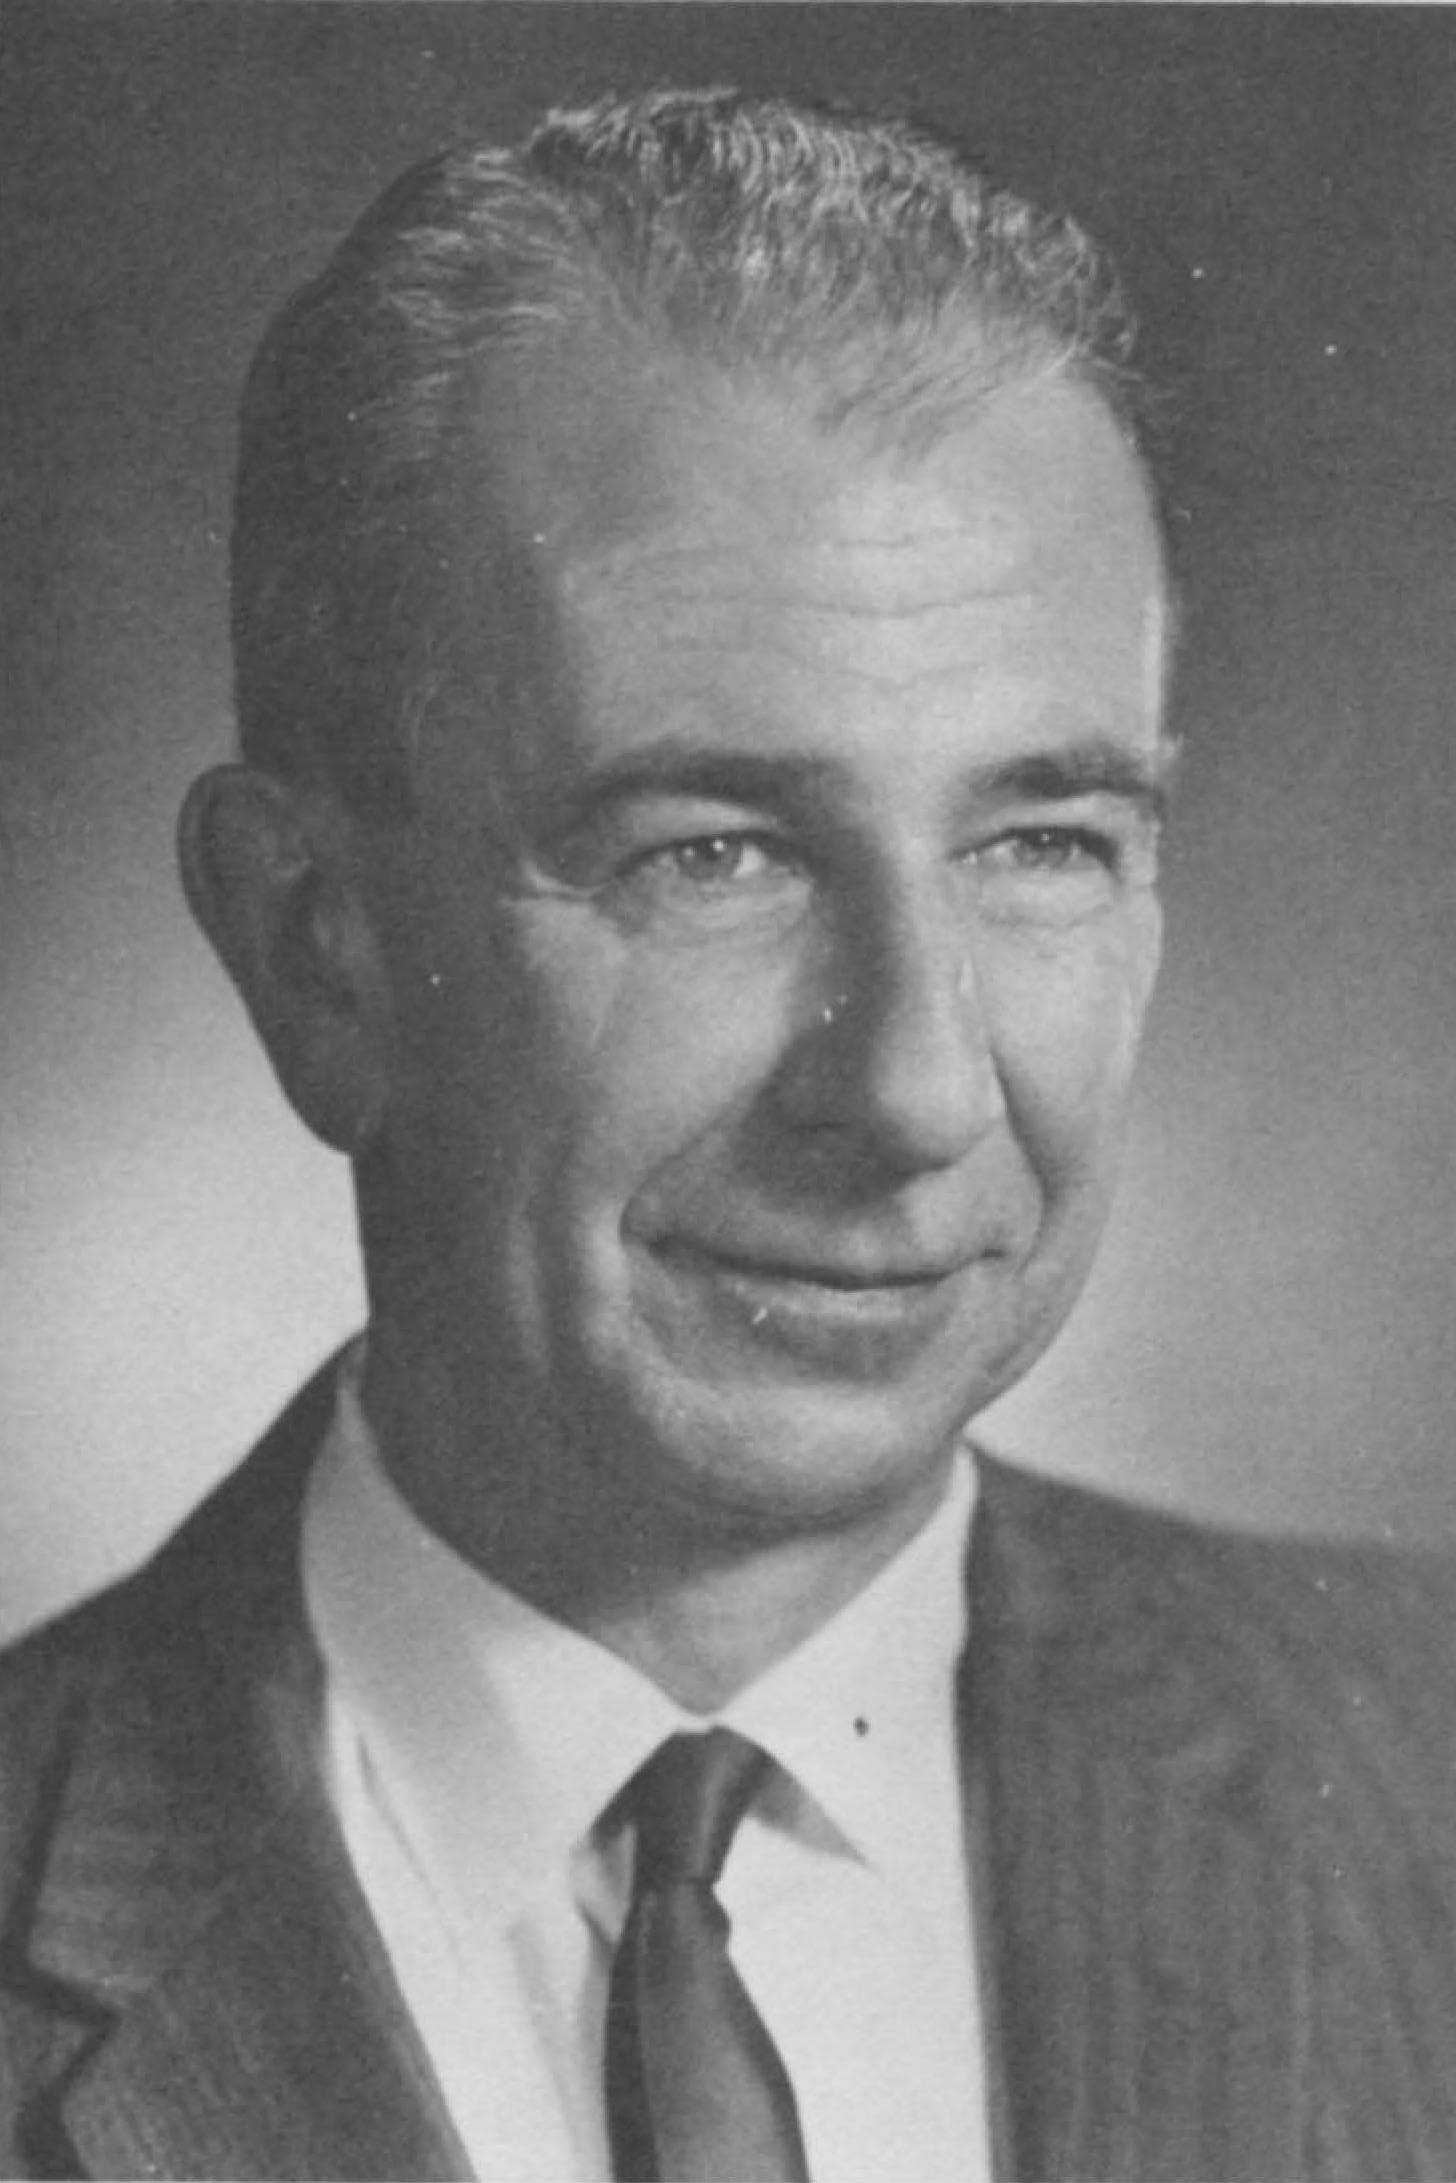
494,1734
862,1714
497,1735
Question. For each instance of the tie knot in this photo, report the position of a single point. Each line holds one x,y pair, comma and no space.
687,1801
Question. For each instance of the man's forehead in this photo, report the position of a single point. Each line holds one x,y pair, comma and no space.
674,513
767,525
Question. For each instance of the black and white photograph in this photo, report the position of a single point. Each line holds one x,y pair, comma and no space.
728,1091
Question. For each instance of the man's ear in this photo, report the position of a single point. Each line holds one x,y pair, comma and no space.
270,877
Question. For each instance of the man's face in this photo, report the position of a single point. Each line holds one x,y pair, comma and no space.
766,1009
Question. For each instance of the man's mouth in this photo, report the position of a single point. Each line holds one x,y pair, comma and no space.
864,1318
863,1274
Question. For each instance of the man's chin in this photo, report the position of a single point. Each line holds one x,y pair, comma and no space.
764,1462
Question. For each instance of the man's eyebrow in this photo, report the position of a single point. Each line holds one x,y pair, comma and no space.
1098,766
674,765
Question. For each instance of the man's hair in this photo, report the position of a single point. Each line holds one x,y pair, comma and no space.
858,265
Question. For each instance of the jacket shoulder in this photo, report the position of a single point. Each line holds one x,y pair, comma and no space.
1344,1650
1093,1538
158,1635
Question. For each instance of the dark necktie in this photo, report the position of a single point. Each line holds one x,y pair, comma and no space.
696,2092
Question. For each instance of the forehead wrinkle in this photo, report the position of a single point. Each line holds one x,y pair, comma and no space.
690,657
663,567
835,605
796,651
867,581
700,618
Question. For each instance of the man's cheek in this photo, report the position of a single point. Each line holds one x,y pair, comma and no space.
677,1056
1064,1028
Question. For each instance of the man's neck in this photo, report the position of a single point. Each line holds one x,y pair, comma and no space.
701,1602
706,1634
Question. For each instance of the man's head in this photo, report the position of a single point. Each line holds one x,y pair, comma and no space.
700,635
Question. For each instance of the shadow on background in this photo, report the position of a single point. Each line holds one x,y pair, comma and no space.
1271,1336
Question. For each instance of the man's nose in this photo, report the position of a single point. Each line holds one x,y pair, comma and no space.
895,1052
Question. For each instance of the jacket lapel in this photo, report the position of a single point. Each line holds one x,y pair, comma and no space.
195,1918
274,2046
1138,1918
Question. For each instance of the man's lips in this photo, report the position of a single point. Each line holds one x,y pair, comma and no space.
865,1320
861,1275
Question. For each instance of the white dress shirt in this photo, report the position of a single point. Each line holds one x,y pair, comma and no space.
472,1744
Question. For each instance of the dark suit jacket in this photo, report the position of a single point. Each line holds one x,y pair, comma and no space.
1207,1781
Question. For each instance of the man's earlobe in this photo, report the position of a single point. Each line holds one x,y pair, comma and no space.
268,875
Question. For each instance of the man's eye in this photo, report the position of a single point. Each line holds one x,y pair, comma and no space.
1060,874
1056,849
713,881
716,860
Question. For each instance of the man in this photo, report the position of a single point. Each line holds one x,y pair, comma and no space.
701,630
